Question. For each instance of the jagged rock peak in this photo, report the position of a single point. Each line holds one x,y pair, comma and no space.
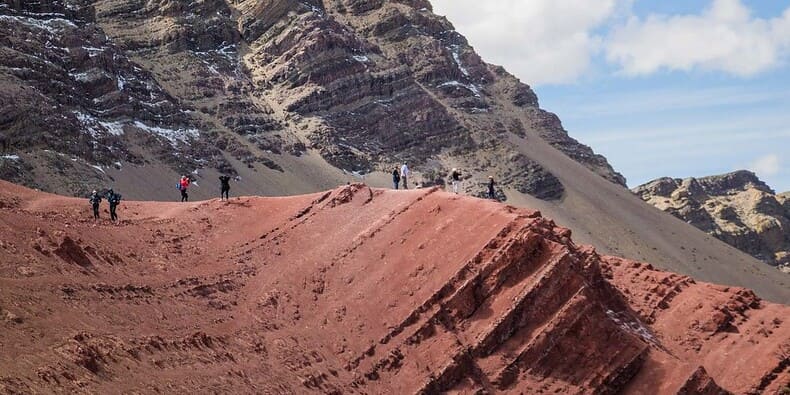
737,208
717,185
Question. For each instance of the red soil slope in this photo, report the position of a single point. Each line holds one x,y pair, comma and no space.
357,291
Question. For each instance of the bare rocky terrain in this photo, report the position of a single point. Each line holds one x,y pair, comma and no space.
294,97
357,290
254,87
737,208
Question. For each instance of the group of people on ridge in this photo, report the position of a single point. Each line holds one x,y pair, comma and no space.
224,187
112,198
400,177
183,185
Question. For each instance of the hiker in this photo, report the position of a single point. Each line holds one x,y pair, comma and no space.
95,199
404,175
455,177
114,199
395,177
224,187
183,184
491,184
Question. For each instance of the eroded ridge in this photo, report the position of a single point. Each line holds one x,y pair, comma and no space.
357,290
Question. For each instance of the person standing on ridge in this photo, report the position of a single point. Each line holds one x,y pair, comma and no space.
404,175
455,177
224,187
95,199
395,177
183,185
114,199
491,184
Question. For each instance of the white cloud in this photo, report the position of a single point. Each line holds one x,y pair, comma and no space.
541,41
724,37
766,166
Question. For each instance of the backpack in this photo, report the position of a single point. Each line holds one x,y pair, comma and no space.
178,186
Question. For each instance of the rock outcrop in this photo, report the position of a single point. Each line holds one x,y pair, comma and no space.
393,295
74,102
219,84
737,208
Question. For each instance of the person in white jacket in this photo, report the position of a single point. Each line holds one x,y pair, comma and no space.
455,177
404,175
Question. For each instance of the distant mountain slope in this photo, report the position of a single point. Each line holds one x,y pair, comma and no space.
737,208
357,290
255,85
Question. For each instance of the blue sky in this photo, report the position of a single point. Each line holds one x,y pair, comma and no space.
671,88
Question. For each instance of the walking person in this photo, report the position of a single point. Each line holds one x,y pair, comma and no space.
404,175
395,177
455,177
95,200
491,185
224,187
114,199
183,185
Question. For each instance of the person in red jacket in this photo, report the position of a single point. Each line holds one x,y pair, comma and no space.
183,185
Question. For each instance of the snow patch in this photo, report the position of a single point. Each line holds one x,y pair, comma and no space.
97,167
474,89
94,127
53,25
361,58
10,157
80,77
113,128
227,50
93,51
456,52
174,136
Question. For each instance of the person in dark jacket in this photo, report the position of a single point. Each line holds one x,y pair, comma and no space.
491,185
224,187
114,199
396,177
95,200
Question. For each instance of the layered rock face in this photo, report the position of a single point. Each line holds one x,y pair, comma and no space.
73,101
258,83
362,291
737,208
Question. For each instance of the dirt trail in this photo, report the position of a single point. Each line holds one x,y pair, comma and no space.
356,290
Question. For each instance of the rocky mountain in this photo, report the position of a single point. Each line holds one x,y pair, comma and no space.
737,208
393,295
293,97
228,85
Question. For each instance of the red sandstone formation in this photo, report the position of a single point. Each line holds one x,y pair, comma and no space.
357,291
